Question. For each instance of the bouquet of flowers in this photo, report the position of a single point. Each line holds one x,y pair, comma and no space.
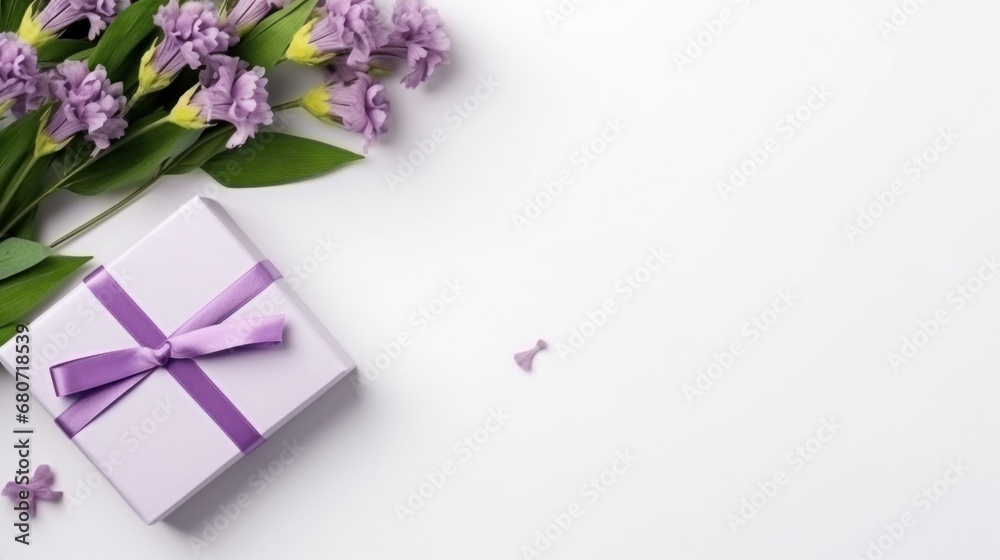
98,95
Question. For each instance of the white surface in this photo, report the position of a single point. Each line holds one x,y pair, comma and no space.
656,185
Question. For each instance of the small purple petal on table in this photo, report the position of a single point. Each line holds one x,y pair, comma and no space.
525,358
39,487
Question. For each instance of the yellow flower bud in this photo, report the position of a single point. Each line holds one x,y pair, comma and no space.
186,115
301,51
30,32
45,144
149,79
317,101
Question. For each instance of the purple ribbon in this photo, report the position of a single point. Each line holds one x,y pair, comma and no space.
102,379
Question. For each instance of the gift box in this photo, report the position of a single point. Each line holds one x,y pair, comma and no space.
171,363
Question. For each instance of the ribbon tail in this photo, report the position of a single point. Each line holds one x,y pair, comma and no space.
90,405
83,374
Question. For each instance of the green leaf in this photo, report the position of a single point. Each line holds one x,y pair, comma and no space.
31,188
20,293
211,143
267,42
59,50
18,255
18,142
120,43
7,332
273,158
11,14
25,228
136,161
81,55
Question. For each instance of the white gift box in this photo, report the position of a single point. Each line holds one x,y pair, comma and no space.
164,445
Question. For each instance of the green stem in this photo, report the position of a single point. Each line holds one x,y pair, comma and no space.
119,205
62,182
287,106
103,215
14,186
131,102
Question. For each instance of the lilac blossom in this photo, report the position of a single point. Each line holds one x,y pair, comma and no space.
417,37
57,15
247,13
359,106
228,92
86,101
21,86
191,33
343,27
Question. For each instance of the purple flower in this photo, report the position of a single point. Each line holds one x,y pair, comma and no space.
22,88
248,13
85,101
228,92
342,27
191,33
359,106
57,15
418,38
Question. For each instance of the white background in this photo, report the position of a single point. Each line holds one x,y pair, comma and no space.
624,389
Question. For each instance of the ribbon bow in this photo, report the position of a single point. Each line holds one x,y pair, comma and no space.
38,488
82,374
100,380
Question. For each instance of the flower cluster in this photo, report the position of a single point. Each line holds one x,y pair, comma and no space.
82,86
192,32
342,27
358,105
85,101
351,33
347,35
418,38
227,91
22,87
344,36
